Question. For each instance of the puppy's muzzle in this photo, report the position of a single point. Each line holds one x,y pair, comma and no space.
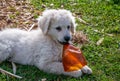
66,40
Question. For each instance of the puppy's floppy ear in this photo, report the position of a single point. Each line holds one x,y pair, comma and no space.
44,23
73,25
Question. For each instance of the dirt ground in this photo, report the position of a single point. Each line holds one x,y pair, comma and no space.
17,14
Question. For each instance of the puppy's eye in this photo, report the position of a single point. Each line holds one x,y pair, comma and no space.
68,27
58,28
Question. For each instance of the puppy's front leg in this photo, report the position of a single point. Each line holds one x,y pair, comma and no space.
57,68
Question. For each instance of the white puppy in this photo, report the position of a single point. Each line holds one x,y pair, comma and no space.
43,47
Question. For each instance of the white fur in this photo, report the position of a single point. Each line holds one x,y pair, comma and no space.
41,47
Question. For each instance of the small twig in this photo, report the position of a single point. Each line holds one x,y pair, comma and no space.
44,79
82,21
8,73
31,27
14,67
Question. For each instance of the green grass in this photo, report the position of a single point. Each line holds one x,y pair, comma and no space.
101,15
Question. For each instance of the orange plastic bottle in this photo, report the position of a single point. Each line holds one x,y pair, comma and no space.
72,58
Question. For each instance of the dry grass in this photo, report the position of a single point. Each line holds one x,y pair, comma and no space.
17,14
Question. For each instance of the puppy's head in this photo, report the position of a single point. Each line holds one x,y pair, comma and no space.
58,24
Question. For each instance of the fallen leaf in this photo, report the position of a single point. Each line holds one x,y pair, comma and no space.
44,79
99,41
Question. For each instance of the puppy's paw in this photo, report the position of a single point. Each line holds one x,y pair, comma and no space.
86,70
75,74
78,73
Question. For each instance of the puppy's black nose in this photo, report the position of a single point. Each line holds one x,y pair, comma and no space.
67,38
